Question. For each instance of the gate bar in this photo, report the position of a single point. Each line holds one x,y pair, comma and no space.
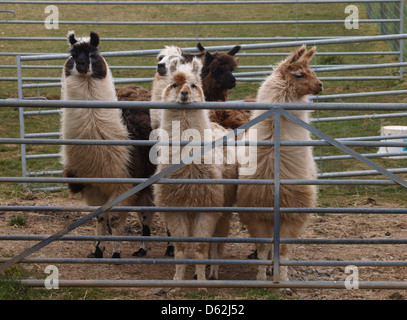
219,284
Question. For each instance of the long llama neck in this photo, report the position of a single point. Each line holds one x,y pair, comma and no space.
276,89
91,123
175,120
88,88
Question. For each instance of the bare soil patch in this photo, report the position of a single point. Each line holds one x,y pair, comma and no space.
327,226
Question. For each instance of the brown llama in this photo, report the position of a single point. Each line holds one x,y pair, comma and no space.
217,80
86,76
291,81
133,93
185,87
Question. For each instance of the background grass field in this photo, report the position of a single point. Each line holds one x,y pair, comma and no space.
330,196
10,154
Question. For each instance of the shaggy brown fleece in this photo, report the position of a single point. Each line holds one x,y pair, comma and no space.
133,93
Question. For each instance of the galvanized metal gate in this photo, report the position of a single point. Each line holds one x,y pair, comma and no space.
273,109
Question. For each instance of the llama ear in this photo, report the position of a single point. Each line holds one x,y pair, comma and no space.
208,58
71,38
199,47
296,55
174,65
196,66
308,55
234,50
94,39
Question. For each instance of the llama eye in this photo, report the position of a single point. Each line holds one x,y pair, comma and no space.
193,85
174,85
299,75
160,58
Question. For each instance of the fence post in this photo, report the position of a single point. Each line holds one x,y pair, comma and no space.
21,120
401,40
276,239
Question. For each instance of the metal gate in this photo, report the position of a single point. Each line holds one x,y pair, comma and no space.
277,110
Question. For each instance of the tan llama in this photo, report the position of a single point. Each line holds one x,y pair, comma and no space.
185,87
161,78
291,81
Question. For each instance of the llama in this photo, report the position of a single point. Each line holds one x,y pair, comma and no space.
133,93
217,80
86,76
185,87
161,77
291,81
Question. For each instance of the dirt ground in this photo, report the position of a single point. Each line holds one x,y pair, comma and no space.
326,226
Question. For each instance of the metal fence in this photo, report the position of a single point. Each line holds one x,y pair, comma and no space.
248,72
277,110
242,76
387,11
52,176
192,28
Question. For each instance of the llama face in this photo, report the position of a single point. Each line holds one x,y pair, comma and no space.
169,53
298,74
85,59
185,84
219,66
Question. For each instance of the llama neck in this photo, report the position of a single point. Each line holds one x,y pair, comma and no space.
159,84
88,88
275,89
85,87
213,94
174,120
91,123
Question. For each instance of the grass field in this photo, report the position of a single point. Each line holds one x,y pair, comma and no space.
330,196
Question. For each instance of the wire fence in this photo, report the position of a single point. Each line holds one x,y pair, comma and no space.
386,10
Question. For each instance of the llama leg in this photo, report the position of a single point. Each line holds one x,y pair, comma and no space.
146,219
205,224
101,230
290,228
95,198
262,229
263,250
216,249
269,270
177,224
117,221
170,245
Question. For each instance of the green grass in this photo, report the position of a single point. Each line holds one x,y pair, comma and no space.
238,294
12,289
18,221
